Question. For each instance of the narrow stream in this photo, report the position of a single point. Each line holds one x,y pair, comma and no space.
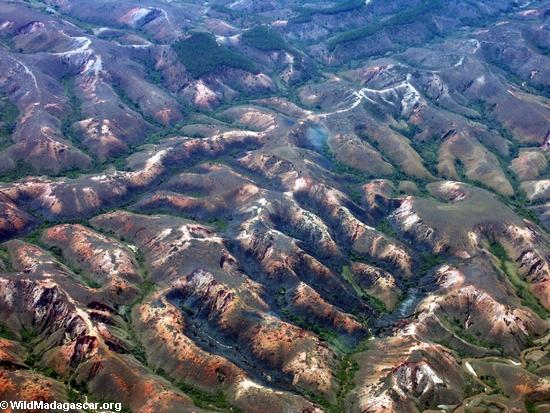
408,305
404,310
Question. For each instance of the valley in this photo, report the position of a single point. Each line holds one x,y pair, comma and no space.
331,206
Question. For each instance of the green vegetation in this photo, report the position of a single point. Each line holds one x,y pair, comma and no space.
55,250
532,367
151,72
399,174
220,224
75,115
187,310
374,302
455,325
8,120
498,251
90,282
137,350
491,381
461,170
58,253
446,343
522,287
20,171
264,38
348,276
355,178
429,260
385,228
429,153
344,170
321,401
77,392
86,26
6,333
471,387
530,406
23,170
232,13
530,86
127,100
408,131
146,287
49,372
32,359
207,400
354,256
201,55
27,336
6,259
345,375
305,14
518,202
408,16
211,401
323,333
35,236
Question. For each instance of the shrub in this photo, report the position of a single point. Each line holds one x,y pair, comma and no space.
305,14
6,333
8,120
264,38
201,55
404,17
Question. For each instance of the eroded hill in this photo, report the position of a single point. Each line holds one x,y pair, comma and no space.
257,206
